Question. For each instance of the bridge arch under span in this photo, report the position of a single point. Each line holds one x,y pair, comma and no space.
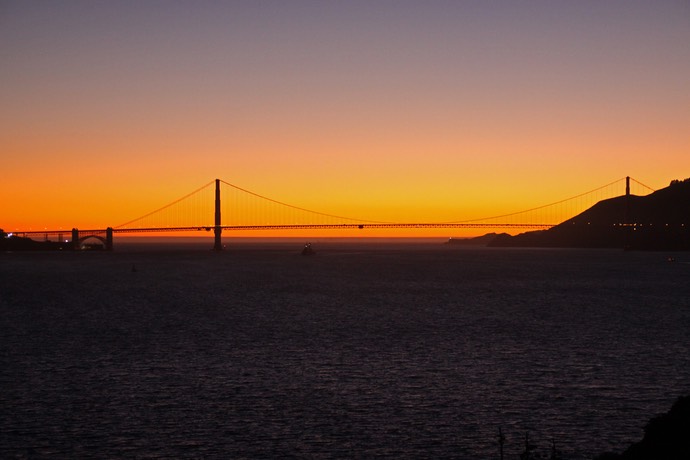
81,241
80,237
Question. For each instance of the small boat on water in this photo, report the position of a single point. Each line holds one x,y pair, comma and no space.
308,250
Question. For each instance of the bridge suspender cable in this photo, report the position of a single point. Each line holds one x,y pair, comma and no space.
542,206
165,207
303,209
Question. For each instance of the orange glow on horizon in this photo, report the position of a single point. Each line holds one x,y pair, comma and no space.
421,113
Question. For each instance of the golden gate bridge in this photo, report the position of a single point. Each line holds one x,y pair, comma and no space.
222,206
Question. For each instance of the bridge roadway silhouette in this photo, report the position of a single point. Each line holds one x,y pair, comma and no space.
106,235
78,237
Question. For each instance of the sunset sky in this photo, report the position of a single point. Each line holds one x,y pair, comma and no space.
412,110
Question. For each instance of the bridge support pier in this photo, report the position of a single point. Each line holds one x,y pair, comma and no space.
109,239
217,229
75,239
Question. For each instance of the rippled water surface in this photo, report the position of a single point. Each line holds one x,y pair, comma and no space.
364,350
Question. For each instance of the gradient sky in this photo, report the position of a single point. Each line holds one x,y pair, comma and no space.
403,110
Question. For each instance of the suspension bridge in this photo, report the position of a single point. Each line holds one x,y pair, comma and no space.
221,206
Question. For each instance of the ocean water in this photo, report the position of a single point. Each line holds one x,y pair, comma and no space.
361,351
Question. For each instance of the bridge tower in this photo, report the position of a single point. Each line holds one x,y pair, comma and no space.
217,230
627,200
628,228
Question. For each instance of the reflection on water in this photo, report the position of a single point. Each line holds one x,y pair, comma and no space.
359,351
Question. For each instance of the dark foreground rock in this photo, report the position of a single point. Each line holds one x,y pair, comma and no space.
667,437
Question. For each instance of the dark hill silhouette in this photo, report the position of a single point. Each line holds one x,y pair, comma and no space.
16,243
478,241
661,222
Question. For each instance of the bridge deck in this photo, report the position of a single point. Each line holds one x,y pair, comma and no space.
283,227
